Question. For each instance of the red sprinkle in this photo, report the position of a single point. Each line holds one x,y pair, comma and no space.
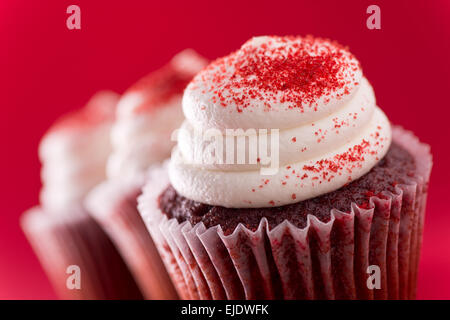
295,71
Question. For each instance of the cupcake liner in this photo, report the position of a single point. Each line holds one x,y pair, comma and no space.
113,205
74,238
320,261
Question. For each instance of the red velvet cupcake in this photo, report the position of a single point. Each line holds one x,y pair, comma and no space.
63,234
333,209
148,113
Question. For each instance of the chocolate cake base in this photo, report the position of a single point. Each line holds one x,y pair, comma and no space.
393,169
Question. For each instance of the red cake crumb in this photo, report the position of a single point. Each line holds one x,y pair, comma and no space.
325,170
101,108
301,69
159,87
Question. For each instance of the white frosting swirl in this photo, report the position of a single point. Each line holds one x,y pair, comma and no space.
147,115
330,130
74,153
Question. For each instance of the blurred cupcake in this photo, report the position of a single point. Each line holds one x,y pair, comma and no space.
333,209
147,115
62,233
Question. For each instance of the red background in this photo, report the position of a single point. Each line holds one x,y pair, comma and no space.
47,70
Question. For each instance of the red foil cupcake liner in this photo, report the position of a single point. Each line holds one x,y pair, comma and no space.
74,238
113,205
321,261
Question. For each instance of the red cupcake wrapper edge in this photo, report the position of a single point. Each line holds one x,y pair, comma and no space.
113,206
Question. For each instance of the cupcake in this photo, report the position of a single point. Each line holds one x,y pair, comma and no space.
147,114
288,181
62,233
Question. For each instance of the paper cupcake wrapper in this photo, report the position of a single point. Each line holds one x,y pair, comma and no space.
321,261
113,205
73,238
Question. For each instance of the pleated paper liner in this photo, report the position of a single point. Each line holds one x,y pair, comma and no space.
321,261
114,206
73,238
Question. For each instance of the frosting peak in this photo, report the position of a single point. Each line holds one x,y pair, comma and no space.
273,82
311,91
147,114
74,152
